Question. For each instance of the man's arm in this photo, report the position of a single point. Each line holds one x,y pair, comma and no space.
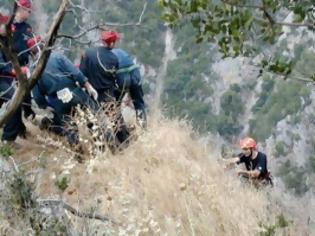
233,160
230,162
69,68
83,65
5,67
252,174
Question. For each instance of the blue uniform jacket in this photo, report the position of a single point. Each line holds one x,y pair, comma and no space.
5,68
99,65
128,73
21,33
59,73
124,59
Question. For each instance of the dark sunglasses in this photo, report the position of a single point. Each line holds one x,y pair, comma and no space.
245,149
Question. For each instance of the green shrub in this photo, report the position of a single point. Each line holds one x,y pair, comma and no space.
62,182
280,149
284,100
270,230
311,160
6,150
294,177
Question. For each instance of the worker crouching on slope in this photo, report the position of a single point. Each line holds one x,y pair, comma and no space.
255,163
60,88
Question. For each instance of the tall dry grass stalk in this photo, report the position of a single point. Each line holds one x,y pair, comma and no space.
167,183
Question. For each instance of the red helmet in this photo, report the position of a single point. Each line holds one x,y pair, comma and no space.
109,36
3,19
33,41
25,4
248,142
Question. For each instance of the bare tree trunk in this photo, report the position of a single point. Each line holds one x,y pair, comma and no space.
24,86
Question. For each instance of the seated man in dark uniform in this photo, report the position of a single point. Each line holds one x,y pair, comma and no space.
254,161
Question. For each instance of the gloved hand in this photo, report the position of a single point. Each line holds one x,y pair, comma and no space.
24,71
91,91
28,112
33,41
50,109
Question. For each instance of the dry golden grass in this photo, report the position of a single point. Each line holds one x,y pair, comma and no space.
164,183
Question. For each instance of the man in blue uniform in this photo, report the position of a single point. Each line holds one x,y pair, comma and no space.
60,87
129,80
14,126
99,65
22,32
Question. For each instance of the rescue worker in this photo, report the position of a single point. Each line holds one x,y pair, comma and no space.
22,32
254,161
99,65
60,88
129,80
14,127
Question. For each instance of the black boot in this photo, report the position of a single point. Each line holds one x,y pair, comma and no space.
45,123
141,118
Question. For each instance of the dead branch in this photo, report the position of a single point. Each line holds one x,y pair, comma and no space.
74,211
102,25
51,38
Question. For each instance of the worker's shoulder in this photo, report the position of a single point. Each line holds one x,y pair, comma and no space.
22,26
262,155
119,51
55,55
90,50
94,50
